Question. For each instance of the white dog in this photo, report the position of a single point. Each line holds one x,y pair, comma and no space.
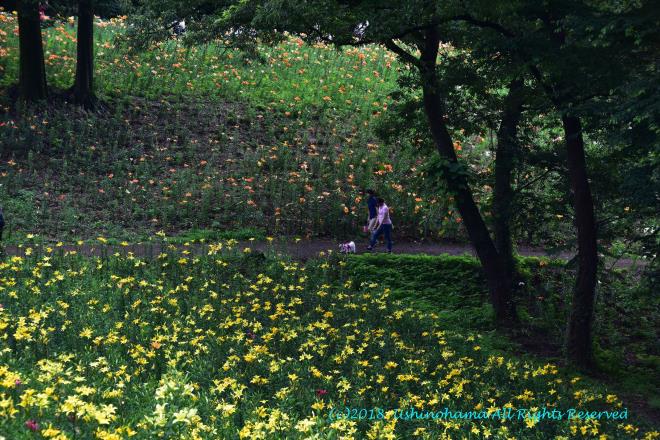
347,248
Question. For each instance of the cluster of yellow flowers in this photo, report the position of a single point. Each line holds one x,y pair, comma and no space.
224,344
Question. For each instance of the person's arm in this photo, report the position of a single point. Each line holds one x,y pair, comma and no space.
378,219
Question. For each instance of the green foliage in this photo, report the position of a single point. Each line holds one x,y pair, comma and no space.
303,121
284,95
206,235
625,327
225,342
241,131
19,213
448,281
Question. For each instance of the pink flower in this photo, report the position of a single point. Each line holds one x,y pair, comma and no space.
32,425
321,393
17,382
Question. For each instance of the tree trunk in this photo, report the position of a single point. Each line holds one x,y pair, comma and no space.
499,284
83,88
507,147
579,347
32,70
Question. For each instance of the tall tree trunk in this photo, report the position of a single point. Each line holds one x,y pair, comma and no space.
499,284
507,147
579,348
83,88
32,70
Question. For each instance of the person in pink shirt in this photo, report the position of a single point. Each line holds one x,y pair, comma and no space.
383,226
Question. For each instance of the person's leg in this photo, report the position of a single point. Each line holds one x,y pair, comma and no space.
375,236
388,237
372,223
372,238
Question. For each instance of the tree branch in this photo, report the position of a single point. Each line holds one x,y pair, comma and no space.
533,181
536,73
391,45
418,28
485,24
534,70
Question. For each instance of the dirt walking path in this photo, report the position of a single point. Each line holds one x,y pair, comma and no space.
301,250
